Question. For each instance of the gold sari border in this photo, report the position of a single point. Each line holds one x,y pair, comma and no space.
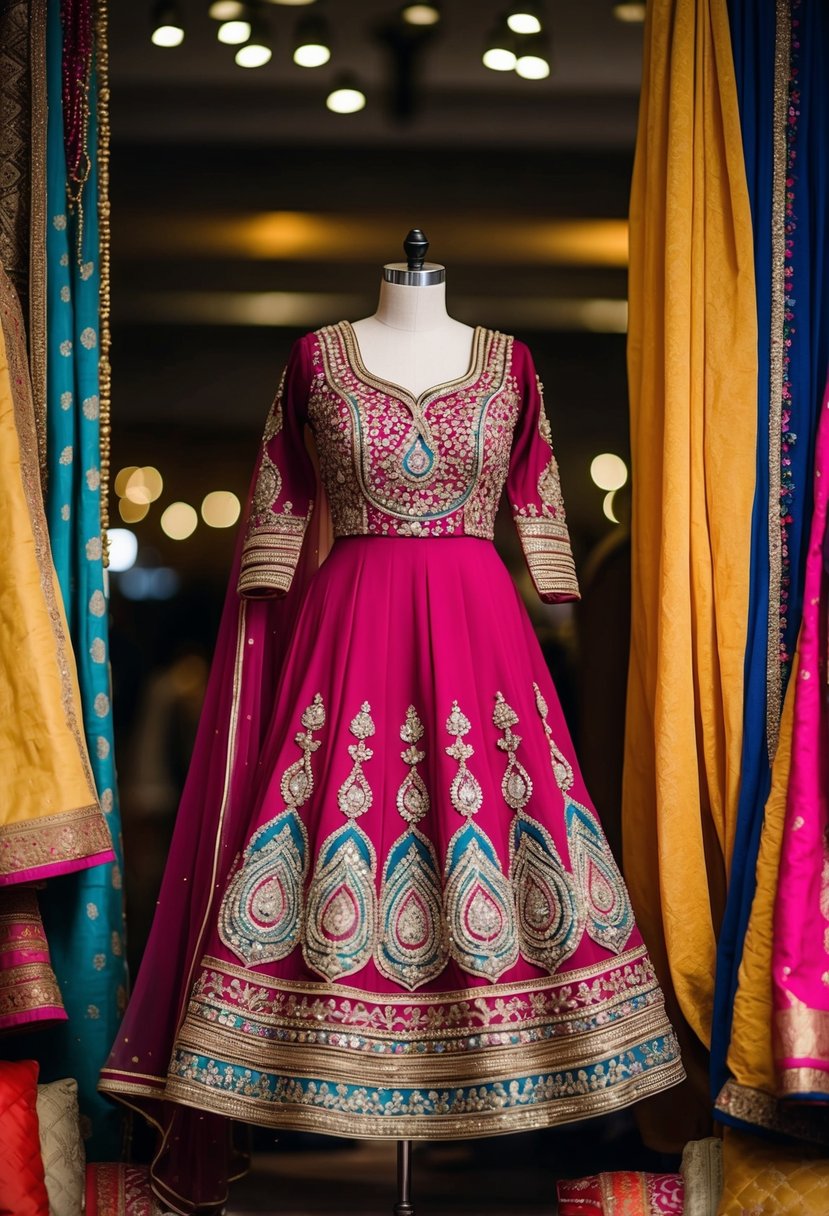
54,844
29,993
745,1104
782,67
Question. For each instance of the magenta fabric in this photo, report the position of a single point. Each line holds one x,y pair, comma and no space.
623,1193
800,967
389,908
28,988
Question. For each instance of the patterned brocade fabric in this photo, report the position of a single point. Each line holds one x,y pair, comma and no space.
393,464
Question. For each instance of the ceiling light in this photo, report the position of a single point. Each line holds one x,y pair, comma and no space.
525,19
255,53
232,33
226,10
629,11
420,14
291,3
312,44
533,62
346,97
167,28
499,52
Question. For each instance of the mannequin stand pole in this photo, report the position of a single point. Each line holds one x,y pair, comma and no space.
404,1206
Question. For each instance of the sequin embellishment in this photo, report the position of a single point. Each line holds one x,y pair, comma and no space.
548,913
413,944
341,907
260,919
477,897
607,909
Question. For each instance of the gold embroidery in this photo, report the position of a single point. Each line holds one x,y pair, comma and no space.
270,553
298,779
477,896
273,539
260,918
755,1106
341,907
412,796
516,784
389,465
72,836
354,797
549,913
562,769
413,944
465,791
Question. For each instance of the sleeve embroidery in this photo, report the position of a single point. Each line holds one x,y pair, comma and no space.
275,530
541,522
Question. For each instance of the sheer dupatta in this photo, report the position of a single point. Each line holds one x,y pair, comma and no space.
192,1164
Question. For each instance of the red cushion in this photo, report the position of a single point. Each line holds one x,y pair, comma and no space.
22,1184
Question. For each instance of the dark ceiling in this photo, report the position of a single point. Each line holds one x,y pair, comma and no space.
245,213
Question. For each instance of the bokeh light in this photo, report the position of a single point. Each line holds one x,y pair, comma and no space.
609,471
123,549
220,509
132,512
179,521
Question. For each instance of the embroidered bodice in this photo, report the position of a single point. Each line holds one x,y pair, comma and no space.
395,464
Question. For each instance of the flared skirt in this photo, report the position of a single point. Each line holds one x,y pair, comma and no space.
424,933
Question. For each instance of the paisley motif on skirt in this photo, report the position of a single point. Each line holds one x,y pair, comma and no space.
479,905
609,916
413,947
260,918
341,907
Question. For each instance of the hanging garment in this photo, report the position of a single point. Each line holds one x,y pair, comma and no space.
692,362
800,957
50,820
389,908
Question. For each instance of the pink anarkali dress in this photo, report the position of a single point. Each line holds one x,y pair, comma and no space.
390,909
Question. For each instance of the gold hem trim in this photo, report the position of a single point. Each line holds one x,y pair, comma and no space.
430,1127
487,1064
762,1109
52,840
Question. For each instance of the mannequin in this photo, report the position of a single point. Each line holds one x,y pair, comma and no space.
411,341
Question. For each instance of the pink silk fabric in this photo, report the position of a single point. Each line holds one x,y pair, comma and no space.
800,967
387,621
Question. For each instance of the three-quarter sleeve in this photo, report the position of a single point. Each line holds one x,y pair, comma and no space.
534,492
284,485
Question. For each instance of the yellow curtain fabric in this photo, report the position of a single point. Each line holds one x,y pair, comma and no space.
692,363
50,820
750,1055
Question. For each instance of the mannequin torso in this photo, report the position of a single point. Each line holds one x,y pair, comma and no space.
411,340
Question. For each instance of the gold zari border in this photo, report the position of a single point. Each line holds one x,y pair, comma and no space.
27,988
495,1122
53,840
761,1109
485,1065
